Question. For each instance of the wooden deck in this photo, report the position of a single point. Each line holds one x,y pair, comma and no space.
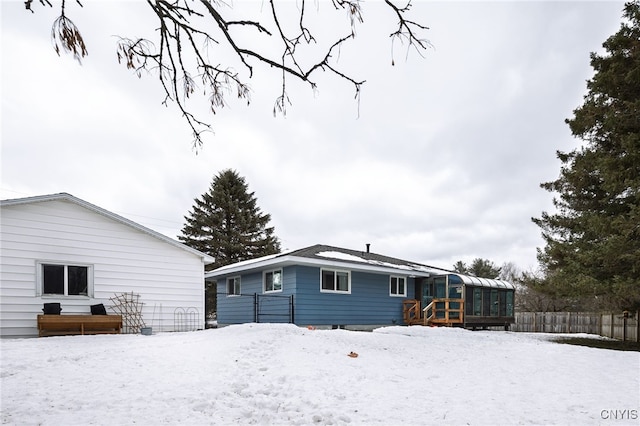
411,313
445,312
442,311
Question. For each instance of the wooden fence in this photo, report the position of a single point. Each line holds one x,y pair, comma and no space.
613,325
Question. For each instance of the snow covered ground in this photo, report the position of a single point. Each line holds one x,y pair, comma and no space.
283,374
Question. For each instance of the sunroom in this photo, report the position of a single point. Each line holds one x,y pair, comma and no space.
461,300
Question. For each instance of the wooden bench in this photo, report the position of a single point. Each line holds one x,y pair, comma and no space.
61,325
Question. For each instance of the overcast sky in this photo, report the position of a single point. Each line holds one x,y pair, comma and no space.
441,161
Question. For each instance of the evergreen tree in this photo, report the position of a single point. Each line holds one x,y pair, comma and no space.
226,223
482,268
460,267
593,238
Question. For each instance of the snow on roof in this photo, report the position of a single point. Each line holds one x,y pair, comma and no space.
369,258
324,256
350,257
340,255
335,256
250,262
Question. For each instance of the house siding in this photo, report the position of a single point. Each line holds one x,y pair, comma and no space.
239,309
369,302
124,259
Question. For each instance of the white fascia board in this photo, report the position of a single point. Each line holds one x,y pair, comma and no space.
286,260
245,265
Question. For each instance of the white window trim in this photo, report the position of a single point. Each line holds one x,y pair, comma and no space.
40,280
335,271
398,277
264,281
234,289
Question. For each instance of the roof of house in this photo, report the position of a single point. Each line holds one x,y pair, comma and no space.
330,256
63,196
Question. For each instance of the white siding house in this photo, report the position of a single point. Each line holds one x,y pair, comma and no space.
59,248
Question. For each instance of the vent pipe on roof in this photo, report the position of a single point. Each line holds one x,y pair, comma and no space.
368,247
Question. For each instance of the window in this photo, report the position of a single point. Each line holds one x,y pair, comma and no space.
486,302
397,286
495,308
489,302
273,281
64,280
468,300
509,312
233,286
477,301
502,303
440,287
335,281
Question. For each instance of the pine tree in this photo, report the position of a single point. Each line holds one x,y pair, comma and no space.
460,267
482,268
593,238
226,223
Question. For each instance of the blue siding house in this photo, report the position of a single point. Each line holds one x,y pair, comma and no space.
325,286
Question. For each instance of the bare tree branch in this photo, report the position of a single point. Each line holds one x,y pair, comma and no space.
65,35
192,32
407,29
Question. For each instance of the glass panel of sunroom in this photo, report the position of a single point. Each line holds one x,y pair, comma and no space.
509,303
477,301
468,297
455,292
494,302
486,302
441,287
503,303
427,294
